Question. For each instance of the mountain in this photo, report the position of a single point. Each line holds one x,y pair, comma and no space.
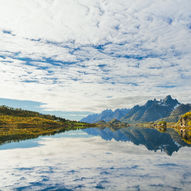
152,110
106,115
177,112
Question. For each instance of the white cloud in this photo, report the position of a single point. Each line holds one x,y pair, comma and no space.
74,54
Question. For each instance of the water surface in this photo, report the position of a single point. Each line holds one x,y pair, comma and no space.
98,159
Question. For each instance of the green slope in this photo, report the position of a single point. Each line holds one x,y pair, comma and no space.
18,124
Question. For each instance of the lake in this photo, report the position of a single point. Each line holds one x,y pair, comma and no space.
98,159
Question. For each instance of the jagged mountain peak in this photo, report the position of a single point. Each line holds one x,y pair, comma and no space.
168,97
106,115
152,110
149,103
107,110
170,101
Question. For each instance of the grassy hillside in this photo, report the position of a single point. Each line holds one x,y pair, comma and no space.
18,124
185,120
184,126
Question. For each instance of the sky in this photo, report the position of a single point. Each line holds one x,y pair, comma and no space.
74,57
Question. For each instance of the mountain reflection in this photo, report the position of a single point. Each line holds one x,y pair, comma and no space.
154,140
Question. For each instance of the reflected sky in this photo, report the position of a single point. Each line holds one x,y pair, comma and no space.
77,160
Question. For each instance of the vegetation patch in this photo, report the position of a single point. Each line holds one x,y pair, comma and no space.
18,124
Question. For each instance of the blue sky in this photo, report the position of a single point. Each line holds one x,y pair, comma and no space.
74,57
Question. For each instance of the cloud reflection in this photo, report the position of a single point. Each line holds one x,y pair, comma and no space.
77,161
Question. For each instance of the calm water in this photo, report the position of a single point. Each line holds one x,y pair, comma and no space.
98,159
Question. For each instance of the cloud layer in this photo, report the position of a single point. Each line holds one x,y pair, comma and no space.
81,55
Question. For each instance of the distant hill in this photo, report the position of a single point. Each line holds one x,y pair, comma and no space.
113,123
152,110
106,115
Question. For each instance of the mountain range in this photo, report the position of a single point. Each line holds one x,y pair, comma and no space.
167,109
106,115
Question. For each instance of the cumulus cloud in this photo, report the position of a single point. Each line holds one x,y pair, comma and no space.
81,55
